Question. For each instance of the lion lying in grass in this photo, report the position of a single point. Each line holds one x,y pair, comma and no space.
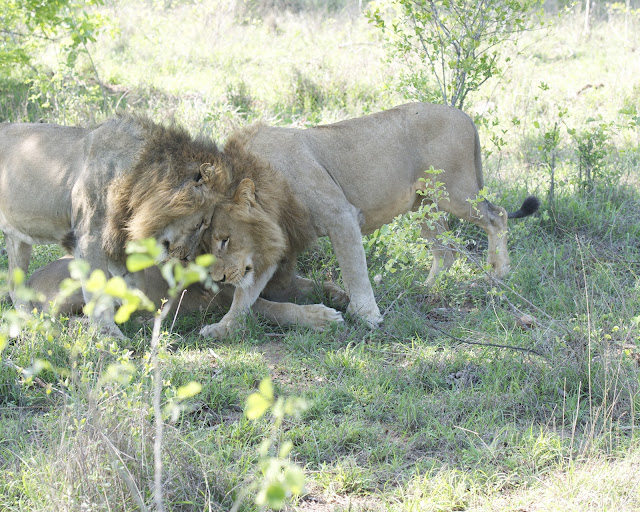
197,298
94,189
344,180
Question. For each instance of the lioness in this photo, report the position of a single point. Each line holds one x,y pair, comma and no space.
345,179
94,189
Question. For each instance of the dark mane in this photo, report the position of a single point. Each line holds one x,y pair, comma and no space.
158,188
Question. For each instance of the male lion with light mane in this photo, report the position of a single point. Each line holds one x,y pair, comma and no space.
94,189
345,180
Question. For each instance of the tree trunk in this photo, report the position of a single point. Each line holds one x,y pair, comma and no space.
587,15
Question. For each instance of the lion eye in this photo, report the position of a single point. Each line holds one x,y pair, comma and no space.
223,243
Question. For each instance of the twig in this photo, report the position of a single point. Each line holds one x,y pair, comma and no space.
37,380
487,344
177,309
157,410
393,303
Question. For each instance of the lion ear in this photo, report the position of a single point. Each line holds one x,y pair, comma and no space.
216,176
206,173
246,193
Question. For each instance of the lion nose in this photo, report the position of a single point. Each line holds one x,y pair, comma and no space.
166,245
224,278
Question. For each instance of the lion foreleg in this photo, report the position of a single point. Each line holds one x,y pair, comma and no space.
19,255
102,316
243,299
346,239
316,316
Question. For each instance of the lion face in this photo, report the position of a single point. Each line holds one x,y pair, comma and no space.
180,238
244,239
234,249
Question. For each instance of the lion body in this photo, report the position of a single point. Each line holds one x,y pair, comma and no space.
196,299
93,189
354,176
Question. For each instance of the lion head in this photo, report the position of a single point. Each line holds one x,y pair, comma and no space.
169,194
259,222
243,237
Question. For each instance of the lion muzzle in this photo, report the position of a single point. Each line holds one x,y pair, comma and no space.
239,277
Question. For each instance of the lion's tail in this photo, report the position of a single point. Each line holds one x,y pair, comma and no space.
529,207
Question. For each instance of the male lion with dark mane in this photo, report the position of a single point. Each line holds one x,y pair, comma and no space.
94,189
344,180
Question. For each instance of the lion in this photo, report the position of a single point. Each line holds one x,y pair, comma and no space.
92,190
197,298
344,180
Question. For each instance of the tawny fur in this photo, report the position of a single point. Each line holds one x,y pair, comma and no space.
279,225
354,176
157,189
94,189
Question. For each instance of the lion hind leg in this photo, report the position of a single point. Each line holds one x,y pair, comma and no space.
493,220
496,228
443,254
308,287
287,286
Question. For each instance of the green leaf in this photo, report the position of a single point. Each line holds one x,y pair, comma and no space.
257,405
137,262
275,495
266,389
189,390
205,260
78,269
97,281
191,276
294,479
148,246
116,287
125,311
18,276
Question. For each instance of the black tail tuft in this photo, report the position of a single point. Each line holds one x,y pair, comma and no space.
529,207
69,242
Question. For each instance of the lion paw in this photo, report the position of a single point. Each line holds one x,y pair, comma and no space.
370,316
337,295
320,316
218,331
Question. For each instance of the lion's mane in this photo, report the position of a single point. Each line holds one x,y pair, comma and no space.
282,228
159,187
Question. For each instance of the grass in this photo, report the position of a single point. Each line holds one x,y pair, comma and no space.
426,413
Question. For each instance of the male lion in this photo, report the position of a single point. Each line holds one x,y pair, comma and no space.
196,299
94,189
344,180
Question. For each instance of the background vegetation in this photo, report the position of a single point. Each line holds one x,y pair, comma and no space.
430,412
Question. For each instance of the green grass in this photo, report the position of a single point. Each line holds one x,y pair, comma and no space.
426,413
